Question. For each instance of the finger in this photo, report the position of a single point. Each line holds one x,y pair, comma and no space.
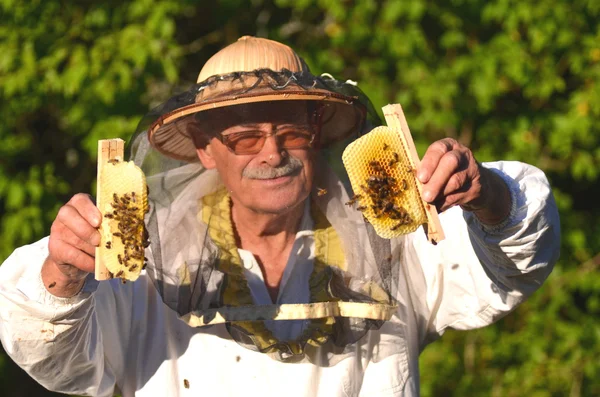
458,183
70,217
65,254
450,201
87,209
432,157
63,233
447,166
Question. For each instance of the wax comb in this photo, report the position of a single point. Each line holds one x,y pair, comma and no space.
381,166
122,199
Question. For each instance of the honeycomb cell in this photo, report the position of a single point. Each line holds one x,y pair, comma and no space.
383,180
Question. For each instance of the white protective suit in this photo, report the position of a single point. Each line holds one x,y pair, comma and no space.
115,338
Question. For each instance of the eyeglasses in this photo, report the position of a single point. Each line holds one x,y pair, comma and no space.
252,141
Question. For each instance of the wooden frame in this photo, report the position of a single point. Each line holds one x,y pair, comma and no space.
108,150
394,117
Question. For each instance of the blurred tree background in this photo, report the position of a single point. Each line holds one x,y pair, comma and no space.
514,80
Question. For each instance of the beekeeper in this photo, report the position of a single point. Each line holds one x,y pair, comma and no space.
263,277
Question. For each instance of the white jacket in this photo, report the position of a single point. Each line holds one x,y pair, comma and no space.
115,338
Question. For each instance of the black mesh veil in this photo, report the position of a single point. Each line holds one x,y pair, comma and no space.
194,262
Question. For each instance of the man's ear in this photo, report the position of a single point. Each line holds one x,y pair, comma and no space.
203,148
206,157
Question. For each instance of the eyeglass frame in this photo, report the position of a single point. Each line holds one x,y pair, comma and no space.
224,139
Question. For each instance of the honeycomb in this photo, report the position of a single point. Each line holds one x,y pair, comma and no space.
123,202
384,183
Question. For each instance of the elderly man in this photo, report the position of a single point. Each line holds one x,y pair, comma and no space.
258,283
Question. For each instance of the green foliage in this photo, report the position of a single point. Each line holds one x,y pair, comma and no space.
515,80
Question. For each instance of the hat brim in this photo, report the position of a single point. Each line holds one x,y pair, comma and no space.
172,133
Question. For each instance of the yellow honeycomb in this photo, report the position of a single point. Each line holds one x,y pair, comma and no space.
378,161
123,202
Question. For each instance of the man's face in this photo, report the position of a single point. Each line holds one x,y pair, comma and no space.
275,179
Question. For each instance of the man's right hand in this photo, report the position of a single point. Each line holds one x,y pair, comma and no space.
74,237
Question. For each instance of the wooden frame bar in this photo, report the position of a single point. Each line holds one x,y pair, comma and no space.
108,150
394,117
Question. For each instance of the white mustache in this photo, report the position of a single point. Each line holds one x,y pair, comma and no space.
288,168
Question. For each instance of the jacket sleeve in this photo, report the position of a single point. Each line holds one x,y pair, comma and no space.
59,341
481,273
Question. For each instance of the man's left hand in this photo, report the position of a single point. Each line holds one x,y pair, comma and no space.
451,176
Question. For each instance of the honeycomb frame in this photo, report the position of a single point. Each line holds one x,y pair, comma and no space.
383,144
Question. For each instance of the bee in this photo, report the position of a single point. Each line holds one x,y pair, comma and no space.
133,267
108,245
124,281
385,146
396,226
321,192
395,160
186,383
376,165
119,273
144,266
117,234
115,198
109,215
361,208
120,260
113,161
52,284
133,197
353,199
404,184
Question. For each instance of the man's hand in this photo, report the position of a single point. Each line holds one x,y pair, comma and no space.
73,239
451,176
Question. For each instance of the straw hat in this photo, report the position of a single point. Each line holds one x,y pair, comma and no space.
254,70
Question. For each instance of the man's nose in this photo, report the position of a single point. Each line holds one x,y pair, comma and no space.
272,153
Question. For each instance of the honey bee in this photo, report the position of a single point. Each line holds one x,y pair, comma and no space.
396,226
385,146
108,245
361,208
133,267
321,192
144,266
120,260
186,383
404,184
119,273
353,199
113,161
